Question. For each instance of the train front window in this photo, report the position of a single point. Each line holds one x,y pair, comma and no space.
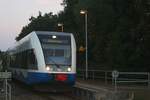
57,50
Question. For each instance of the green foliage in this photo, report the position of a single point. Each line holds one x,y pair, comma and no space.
118,31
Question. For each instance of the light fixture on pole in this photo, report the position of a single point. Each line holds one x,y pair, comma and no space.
84,12
62,26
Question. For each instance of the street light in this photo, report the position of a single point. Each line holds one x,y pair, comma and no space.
62,26
84,12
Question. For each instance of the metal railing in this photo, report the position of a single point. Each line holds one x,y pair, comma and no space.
96,74
123,78
134,77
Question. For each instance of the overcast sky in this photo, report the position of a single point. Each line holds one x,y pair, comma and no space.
14,14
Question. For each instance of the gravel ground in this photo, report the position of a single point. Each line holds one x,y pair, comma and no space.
21,92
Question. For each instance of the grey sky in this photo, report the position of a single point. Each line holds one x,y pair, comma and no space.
14,14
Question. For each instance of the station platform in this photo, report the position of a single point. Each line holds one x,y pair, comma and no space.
135,91
95,84
109,84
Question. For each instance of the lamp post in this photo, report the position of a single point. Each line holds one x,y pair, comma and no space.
62,26
84,12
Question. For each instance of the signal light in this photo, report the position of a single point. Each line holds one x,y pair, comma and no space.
81,49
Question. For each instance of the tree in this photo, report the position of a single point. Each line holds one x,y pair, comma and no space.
118,31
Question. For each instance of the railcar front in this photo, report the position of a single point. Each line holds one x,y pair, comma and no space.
59,51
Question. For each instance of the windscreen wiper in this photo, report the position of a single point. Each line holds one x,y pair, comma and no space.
54,63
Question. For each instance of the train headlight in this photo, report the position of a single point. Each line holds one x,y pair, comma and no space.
69,69
47,68
54,36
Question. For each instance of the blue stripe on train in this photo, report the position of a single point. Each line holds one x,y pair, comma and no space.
36,77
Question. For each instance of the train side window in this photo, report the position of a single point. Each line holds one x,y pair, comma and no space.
24,59
12,60
32,62
17,60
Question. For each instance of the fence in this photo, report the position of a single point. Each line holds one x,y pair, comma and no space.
96,74
123,77
134,77
5,89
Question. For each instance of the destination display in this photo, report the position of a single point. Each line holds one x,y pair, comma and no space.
50,39
55,41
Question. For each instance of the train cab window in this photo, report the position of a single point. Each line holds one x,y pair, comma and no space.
49,52
59,52
56,50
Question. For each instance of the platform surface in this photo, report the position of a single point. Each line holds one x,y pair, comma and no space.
140,92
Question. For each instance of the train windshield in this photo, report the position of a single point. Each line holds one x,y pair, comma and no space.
56,49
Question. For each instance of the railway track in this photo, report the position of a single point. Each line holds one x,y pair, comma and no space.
23,92
57,96
80,92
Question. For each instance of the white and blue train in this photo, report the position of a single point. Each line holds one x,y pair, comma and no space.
42,57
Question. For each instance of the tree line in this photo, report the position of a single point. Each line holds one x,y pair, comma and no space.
118,31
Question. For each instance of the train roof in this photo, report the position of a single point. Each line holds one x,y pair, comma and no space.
27,37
